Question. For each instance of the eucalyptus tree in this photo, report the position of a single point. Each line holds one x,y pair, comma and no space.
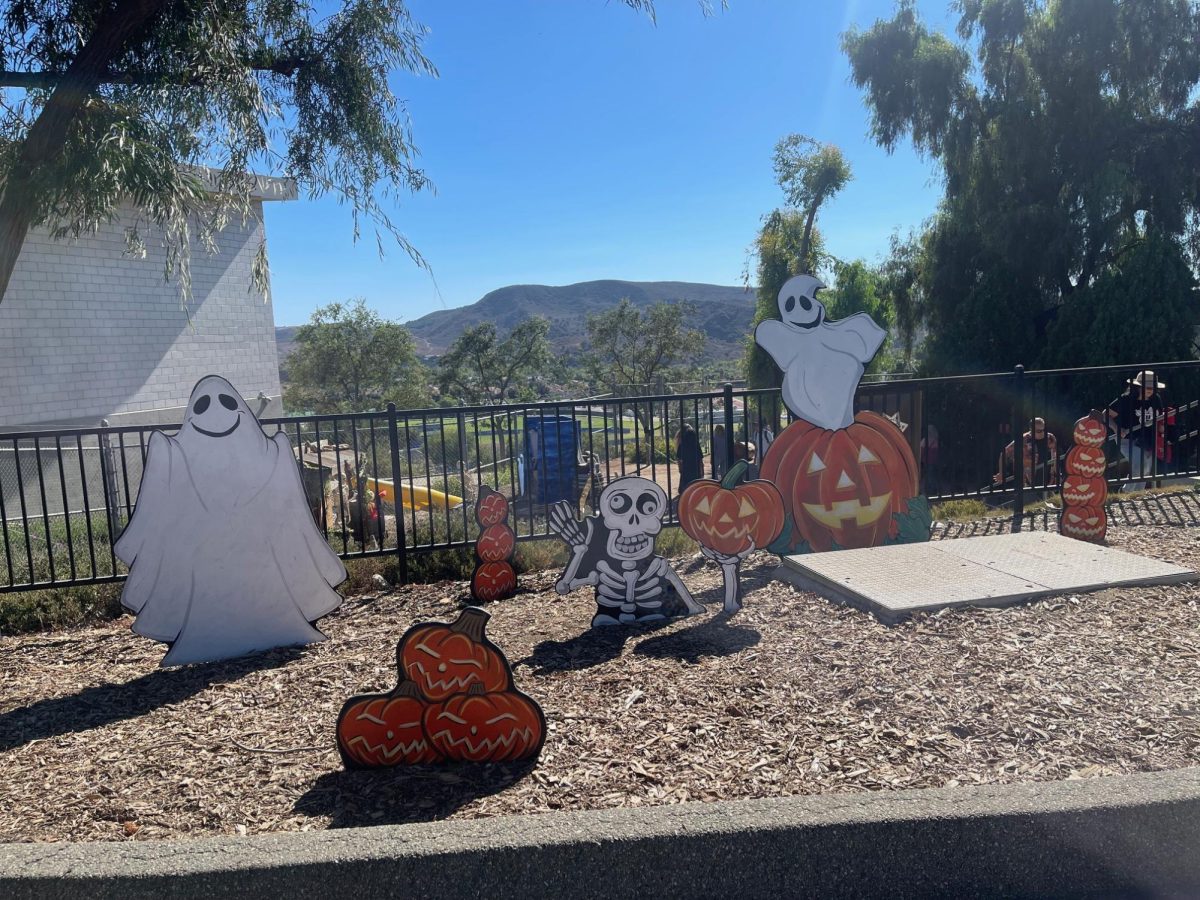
107,100
1066,130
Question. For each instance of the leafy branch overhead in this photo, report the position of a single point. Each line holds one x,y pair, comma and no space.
171,106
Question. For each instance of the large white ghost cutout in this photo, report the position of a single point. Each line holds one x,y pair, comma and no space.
224,557
822,361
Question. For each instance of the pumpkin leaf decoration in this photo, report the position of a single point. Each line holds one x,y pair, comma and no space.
455,702
914,525
730,519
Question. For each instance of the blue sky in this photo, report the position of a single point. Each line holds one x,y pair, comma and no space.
572,139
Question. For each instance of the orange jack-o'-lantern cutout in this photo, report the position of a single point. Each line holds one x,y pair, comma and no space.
1087,461
1085,523
492,508
1089,432
385,730
493,581
1081,490
503,726
843,486
728,517
448,659
495,544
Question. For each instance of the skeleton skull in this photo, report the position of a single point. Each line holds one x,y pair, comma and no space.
632,509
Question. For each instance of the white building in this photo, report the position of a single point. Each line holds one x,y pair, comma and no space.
88,333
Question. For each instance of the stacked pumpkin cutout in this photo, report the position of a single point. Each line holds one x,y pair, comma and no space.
494,577
456,702
1084,488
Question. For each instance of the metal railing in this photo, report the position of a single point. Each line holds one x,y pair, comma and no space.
65,495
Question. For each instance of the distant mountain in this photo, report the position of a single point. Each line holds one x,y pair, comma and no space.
722,313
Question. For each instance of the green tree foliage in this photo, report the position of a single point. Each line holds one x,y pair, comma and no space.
861,288
809,173
1066,130
631,347
104,100
348,359
481,368
1141,308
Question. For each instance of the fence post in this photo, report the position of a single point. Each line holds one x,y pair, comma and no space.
728,425
401,537
1020,419
108,477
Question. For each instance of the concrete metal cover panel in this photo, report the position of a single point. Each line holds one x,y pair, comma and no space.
1062,563
998,570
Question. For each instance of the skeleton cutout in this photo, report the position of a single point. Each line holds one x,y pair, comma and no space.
614,553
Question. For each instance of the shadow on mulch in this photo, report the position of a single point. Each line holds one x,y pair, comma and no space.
587,649
712,637
404,794
107,703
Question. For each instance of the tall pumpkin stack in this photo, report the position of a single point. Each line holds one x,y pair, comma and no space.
1084,488
494,577
456,702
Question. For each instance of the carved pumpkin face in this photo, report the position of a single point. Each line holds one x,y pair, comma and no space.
492,508
495,544
482,727
376,730
730,519
1085,523
1089,432
447,659
1080,490
493,581
1087,461
843,486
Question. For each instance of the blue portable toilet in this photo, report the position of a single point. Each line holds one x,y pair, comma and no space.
551,448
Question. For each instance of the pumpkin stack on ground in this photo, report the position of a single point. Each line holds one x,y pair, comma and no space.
455,702
842,488
494,577
1084,489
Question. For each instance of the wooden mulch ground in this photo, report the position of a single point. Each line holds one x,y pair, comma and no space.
791,696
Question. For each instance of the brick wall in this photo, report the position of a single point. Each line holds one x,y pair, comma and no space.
87,333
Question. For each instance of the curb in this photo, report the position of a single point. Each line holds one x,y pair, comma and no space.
1134,835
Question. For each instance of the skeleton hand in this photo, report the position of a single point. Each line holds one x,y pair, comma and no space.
722,559
562,522
729,574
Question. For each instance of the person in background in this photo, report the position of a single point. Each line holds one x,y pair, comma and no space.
720,457
1134,415
687,451
1039,456
762,438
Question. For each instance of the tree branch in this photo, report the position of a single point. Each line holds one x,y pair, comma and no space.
48,134
286,66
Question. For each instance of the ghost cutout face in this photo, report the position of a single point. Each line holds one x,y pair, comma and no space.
632,509
798,303
215,409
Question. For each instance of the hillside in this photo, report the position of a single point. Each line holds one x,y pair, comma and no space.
723,313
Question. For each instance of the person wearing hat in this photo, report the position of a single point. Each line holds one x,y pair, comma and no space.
1134,415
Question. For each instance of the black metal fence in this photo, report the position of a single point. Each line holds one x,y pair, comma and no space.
396,483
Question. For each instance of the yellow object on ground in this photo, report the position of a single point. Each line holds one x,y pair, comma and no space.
413,497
